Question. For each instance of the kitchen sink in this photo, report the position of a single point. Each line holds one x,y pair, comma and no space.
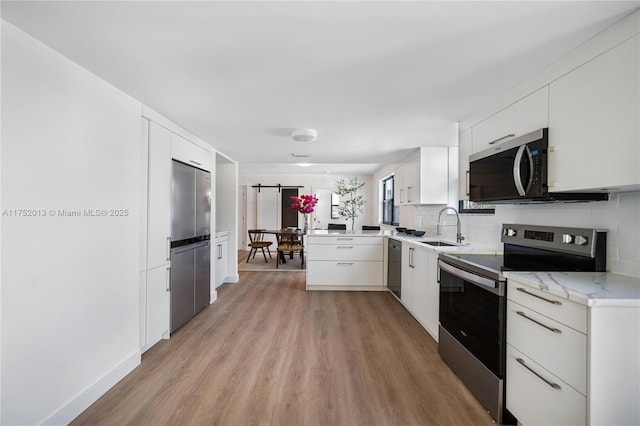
438,243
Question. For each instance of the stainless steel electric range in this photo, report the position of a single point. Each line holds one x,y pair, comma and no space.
473,300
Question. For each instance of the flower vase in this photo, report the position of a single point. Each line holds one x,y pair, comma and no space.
305,228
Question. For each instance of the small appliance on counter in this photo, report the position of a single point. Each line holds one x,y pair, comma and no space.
473,300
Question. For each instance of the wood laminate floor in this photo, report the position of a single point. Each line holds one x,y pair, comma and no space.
269,353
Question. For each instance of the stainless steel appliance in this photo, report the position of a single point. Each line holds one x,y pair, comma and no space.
394,267
190,245
517,171
473,300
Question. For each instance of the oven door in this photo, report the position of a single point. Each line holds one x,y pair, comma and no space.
472,310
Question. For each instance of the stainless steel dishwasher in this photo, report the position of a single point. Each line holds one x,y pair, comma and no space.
394,267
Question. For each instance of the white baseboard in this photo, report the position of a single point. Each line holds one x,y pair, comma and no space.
72,409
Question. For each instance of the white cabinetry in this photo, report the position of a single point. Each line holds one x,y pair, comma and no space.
528,114
420,288
157,304
348,262
222,243
569,363
465,149
593,122
424,179
190,153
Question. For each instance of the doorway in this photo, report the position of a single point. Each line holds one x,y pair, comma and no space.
289,216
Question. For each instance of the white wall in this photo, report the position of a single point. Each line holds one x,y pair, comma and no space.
309,182
70,296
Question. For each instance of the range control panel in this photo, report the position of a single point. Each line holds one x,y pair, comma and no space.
572,240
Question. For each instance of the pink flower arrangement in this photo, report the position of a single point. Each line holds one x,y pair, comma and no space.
304,204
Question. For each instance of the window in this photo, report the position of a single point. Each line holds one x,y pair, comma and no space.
390,212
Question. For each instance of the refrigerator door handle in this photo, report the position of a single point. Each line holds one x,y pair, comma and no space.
168,248
168,279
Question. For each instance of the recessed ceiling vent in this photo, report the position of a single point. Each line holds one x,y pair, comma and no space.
304,135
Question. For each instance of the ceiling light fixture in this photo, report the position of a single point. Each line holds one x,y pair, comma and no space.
300,155
304,135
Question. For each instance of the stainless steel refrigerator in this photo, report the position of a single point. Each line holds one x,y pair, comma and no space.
190,245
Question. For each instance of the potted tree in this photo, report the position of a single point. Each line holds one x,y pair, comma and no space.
351,202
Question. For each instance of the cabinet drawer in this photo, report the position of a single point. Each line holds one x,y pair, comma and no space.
534,401
560,349
345,252
190,153
562,310
346,239
326,272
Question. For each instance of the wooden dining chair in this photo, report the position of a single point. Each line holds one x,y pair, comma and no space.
256,241
289,243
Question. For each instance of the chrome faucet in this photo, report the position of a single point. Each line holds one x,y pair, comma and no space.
459,236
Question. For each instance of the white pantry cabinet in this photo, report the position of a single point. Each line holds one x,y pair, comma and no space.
528,114
348,262
159,197
593,122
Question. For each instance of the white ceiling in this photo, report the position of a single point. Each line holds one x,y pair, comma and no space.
375,79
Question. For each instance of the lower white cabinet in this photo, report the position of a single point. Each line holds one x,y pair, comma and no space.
158,305
569,363
349,262
221,256
537,397
420,288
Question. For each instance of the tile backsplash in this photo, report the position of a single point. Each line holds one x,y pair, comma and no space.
620,217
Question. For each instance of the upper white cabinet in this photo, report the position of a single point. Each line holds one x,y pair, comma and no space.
424,179
465,149
593,122
190,153
528,114
159,196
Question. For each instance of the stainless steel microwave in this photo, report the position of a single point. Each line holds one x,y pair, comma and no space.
516,172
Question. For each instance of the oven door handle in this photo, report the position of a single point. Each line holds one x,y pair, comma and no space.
486,283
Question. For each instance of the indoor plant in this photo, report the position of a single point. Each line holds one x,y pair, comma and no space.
304,204
351,203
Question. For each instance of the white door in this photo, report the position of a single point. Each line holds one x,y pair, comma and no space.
242,217
268,210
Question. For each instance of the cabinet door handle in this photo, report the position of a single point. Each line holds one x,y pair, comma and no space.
195,162
409,194
344,247
467,181
219,251
510,135
168,248
555,330
167,277
344,239
344,263
553,385
553,302
401,190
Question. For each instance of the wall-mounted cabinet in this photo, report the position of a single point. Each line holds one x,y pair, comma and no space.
528,114
424,179
593,122
465,149
190,153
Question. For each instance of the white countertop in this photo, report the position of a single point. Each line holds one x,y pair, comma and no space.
594,289
456,248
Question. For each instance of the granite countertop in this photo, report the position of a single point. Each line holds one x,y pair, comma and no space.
594,289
